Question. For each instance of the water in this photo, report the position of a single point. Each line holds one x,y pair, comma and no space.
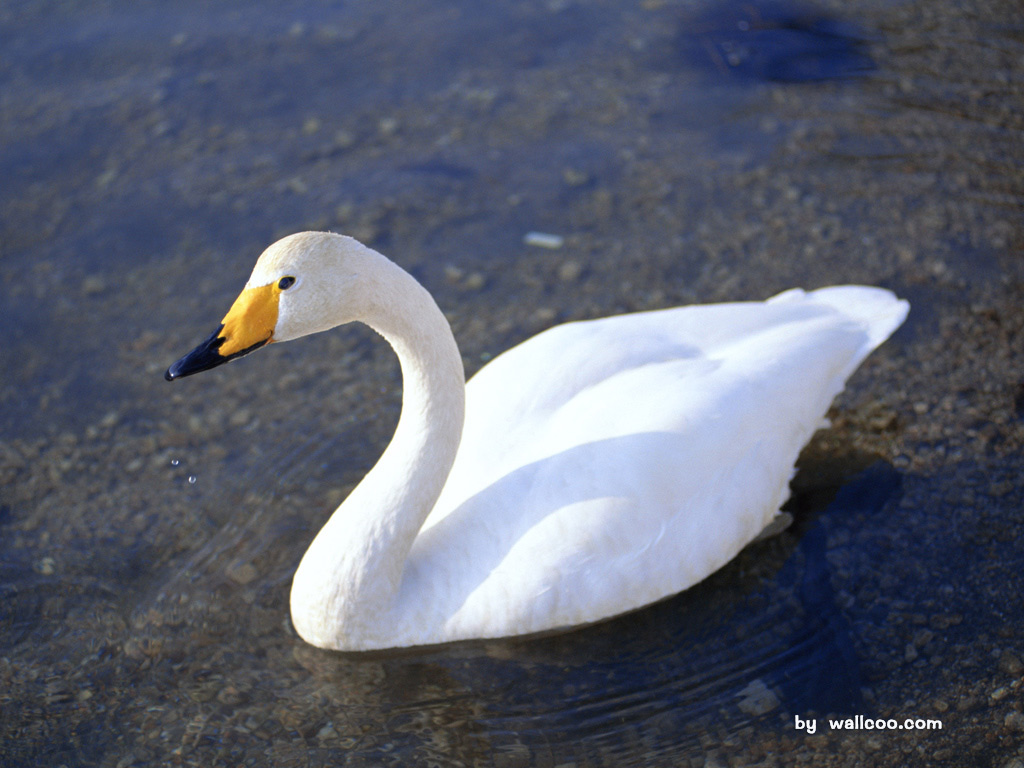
684,152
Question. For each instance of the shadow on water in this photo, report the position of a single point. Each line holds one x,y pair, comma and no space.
773,41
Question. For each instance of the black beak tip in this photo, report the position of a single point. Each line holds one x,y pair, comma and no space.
179,369
206,356
202,358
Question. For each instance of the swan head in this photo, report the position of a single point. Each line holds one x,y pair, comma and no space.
302,284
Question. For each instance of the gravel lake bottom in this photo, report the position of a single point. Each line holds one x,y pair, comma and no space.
530,163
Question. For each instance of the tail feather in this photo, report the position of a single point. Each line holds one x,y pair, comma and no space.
878,310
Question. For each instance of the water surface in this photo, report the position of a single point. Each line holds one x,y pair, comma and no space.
685,152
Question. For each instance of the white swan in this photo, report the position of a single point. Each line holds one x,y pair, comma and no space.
593,469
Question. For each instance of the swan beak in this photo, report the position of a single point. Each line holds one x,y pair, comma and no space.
247,326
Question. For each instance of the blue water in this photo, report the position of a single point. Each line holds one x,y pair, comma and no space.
685,152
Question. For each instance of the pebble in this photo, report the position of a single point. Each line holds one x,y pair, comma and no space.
93,285
945,621
544,240
240,418
343,139
757,699
474,281
1014,721
967,703
575,178
569,271
243,573
1010,663
106,178
883,421
1000,488
544,315
231,695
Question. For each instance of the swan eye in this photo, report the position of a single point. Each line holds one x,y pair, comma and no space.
285,283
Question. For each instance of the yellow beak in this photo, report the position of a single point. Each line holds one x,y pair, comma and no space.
247,326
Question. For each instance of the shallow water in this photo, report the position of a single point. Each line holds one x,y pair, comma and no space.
684,152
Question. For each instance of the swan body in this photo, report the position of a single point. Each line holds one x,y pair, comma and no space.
593,469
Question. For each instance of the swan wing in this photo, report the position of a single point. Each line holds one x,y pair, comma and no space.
607,464
652,371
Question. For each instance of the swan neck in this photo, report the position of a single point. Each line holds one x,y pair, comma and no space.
352,572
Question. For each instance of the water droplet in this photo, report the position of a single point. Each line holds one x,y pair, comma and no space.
191,479
174,462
